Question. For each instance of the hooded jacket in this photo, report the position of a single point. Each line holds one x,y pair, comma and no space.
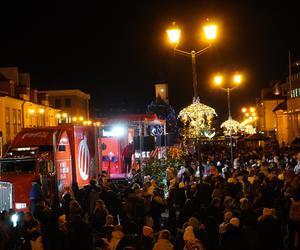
115,239
163,244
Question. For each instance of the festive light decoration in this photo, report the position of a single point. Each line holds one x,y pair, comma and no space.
230,125
197,119
249,129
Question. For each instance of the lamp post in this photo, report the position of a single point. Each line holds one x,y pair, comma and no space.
210,32
218,80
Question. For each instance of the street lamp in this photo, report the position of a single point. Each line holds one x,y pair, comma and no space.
210,32
236,80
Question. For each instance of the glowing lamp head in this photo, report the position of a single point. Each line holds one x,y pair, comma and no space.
81,118
98,124
237,79
252,110
42,111
64,115
244,110
74,119
85,122
89,122
58,116
210,32
174,34
162,90
31,111
247,114
218,80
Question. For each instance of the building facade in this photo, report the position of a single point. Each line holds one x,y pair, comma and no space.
21,107
280,112
267,122
73,102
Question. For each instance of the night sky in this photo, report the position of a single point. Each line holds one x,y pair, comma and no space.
117,50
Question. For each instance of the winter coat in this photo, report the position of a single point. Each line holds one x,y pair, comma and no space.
163,244
232,239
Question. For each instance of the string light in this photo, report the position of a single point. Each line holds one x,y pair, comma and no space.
197,119
230,125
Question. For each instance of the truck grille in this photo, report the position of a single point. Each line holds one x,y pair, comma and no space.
6,201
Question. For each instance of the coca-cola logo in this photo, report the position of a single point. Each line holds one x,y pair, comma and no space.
83,159
40,134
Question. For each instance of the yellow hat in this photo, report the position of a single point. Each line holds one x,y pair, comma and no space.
281,177
181,184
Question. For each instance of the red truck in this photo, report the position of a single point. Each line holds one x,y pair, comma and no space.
57,156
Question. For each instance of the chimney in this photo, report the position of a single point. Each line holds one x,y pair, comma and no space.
11,73
34,95
43,98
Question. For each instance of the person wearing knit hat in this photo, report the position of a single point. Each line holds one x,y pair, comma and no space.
147,231
190,240
227,199
163,242
242,200
193,221
189,234
235,222
223,225
146,241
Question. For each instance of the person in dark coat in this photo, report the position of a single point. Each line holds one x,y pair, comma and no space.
268,230
78,234
232,238
36,195
30,231
146,241
98,218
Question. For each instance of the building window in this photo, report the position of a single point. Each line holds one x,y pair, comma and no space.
68,103
15,121
7,116
7,124
19,118
295,93
57,103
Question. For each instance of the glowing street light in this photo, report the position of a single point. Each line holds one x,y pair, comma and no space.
237,79
218,80
74,119
80,118
58,116
210,32
31,111
244,110
174,34
41,111
64,115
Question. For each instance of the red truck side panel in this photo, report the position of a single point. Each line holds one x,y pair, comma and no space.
63,161
84,163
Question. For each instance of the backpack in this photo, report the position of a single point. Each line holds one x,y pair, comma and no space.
294,213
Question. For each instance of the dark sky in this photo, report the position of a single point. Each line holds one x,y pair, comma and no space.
116,50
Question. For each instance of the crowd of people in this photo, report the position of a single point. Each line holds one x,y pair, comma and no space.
250,204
